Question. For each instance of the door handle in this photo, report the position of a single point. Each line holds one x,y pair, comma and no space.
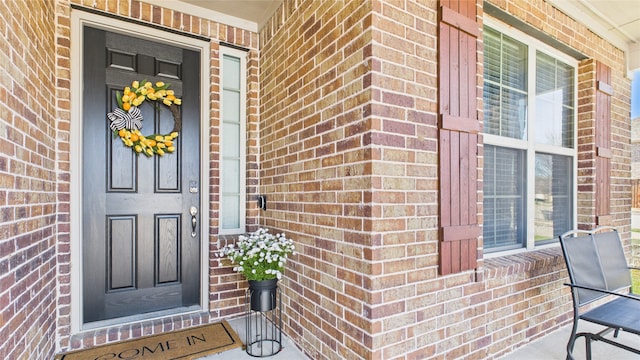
194,221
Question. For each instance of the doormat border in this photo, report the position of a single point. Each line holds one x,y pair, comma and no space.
234,342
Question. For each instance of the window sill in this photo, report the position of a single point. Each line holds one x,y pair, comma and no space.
536,262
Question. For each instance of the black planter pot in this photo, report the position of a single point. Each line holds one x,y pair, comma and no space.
263,294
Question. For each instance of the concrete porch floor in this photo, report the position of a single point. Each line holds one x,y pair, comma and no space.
289,350
554,346
550,347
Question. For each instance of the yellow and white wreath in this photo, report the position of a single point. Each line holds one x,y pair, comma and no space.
126,119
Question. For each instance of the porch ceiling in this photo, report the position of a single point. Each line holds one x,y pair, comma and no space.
616,20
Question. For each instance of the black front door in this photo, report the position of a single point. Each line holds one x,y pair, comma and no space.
141,251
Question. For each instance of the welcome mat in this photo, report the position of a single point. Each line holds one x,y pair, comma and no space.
182,344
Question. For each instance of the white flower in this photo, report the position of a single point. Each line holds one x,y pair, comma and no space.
260,255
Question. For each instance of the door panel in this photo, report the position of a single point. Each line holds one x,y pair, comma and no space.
139,255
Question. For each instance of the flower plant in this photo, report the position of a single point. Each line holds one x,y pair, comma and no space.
139,91
259,256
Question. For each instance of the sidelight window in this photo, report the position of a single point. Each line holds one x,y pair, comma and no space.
232,141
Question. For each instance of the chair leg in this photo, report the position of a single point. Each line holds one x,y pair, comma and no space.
587,340
572,340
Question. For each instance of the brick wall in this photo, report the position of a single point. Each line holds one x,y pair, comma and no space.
28,175
316,152
349,162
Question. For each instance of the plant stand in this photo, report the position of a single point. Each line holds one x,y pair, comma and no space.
263,324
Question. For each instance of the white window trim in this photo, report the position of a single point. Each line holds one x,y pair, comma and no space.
529,145
242,56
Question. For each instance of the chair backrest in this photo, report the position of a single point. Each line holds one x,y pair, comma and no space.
614,263
595,259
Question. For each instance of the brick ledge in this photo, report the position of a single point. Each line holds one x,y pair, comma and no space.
534,262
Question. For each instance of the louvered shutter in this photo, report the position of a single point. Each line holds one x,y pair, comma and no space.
604,91
458,135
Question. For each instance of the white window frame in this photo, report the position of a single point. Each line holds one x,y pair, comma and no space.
242,56
529,145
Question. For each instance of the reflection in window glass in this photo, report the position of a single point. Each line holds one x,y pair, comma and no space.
553,202
554,102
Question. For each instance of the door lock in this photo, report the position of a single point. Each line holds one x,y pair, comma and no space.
194,220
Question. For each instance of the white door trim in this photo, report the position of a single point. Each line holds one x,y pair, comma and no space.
78,20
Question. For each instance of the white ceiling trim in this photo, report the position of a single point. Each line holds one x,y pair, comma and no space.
204,13
609,21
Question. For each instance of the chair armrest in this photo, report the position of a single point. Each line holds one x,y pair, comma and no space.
628,296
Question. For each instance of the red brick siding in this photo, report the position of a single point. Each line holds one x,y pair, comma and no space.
318,134
28,181
366,277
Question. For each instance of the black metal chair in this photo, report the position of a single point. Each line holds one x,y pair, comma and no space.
600,286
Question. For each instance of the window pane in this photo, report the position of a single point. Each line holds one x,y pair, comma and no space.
231,141
231,76
554,102
231,108
504,198
230,211
229,180
553,197
505,86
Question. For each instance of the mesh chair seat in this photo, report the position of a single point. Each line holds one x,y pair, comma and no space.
620,313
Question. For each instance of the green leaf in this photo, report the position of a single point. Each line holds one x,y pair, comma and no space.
119,99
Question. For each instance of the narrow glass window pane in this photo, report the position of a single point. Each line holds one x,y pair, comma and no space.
553,196
231,76
554,102
504,198
230,184
505,86
231,147
230,211
231,106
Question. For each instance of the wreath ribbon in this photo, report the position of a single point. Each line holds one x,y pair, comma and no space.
125,120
